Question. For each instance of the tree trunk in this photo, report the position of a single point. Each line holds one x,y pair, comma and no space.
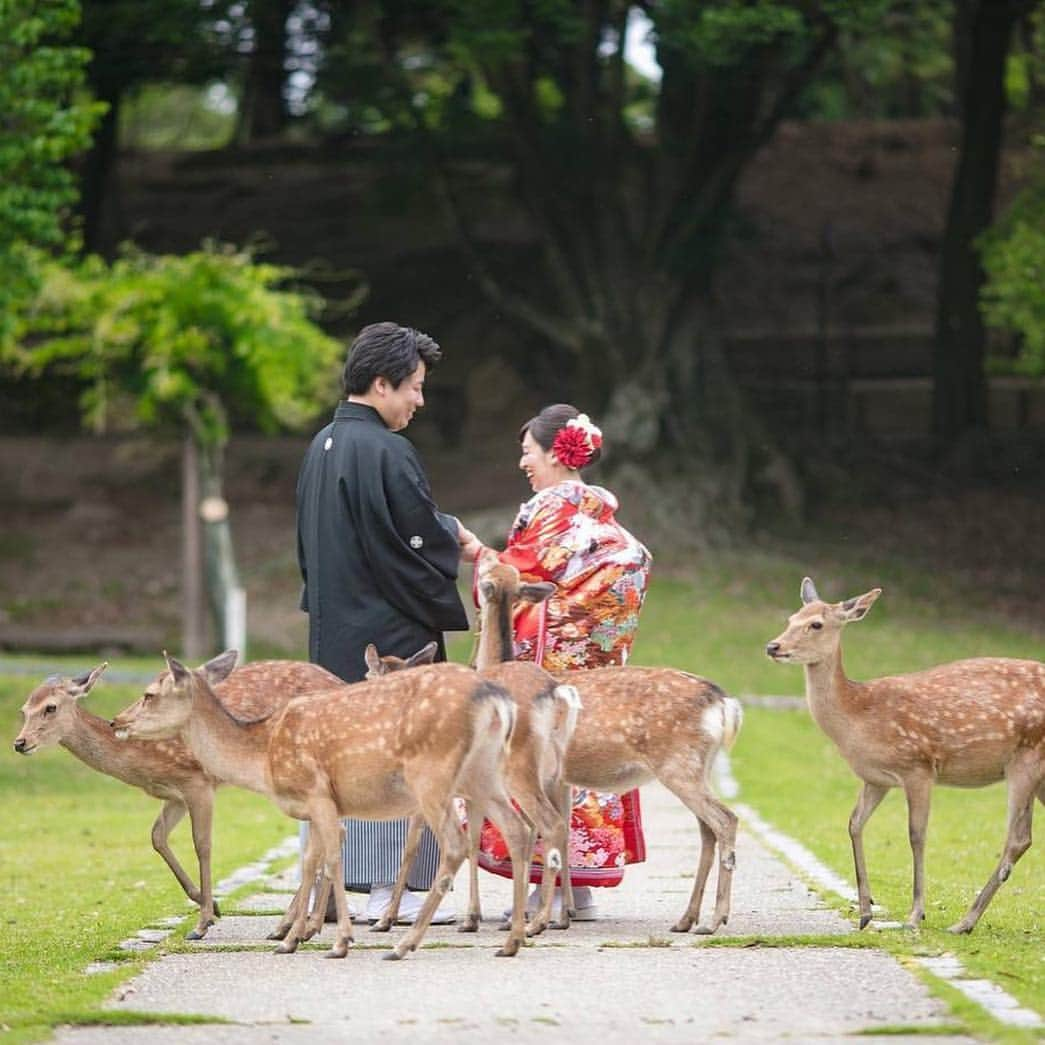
960,390
227,597
263,109
96,178
194,621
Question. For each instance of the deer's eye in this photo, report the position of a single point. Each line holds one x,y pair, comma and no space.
50,709
816,625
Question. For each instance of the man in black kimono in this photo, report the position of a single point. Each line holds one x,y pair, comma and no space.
378,559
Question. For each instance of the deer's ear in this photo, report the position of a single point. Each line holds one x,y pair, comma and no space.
218,668
373,659
82,683
178,671
536,592
857,607
425,655
808,591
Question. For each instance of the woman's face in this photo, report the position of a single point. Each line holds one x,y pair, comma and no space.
541,466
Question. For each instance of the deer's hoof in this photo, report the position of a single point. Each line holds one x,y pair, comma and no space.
683,926
287,947
382,925
509,950
278,933
704,930
865,921
469,925
393,956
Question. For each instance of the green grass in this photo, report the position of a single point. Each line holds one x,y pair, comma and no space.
793,776
78,873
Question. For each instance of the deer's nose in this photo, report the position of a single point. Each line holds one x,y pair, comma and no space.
20,744
772,649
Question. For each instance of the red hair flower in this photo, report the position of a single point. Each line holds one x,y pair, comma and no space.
576,442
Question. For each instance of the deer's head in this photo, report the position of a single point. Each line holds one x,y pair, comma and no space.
49,713
376,665
500,583
814,632
164,708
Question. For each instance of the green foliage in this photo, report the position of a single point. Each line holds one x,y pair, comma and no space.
1013,297
46,120
165,341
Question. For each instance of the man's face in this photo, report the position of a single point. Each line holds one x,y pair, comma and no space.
397,405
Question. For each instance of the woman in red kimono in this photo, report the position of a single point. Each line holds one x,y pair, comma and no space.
567,533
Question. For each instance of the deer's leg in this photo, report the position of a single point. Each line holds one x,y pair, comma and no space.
471,921
413,840
871,796
321,893
919,793
707,858
516,834
326,824
1024,780
292,926
201,815
453,848
170,816
721,821
554,832
568,908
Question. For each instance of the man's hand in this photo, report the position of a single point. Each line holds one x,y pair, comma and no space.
471,546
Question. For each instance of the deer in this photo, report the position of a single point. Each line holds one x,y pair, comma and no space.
53,714
967,723
545,719
376,750
635,725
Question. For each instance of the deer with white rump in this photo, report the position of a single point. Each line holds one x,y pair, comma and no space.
376,750
635,725
968,723
545,721
53,714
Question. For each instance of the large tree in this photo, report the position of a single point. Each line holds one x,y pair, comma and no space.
983,36
627,182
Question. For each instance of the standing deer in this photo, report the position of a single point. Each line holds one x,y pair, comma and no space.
545,720
965,724
377,750
52,714
635,725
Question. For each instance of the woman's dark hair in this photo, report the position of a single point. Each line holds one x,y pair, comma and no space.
547,424
386,350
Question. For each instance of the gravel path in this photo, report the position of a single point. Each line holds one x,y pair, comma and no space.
622,978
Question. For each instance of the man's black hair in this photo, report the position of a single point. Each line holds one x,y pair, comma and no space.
386,350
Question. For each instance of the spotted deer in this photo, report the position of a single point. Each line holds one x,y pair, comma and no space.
545,720
635,725
53,714
376,750
968,723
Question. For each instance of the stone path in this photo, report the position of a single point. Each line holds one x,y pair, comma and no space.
622,978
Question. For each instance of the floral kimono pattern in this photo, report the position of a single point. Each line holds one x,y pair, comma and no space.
568,534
